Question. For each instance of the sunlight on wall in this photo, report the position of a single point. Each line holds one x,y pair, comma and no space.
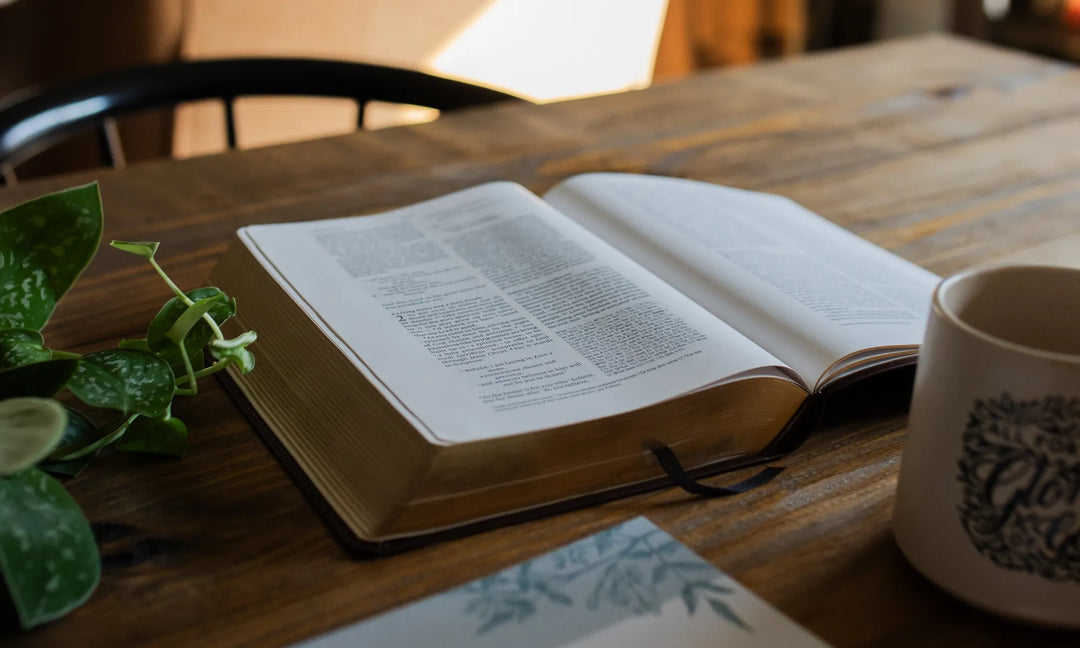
554,49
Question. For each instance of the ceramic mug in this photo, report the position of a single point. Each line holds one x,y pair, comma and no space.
988,500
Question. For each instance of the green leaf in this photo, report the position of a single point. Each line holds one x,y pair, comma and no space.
557,597
190,317
164,435
29,430
21,347
242,340
689,598
105,437
241,356
139,344
42,379
45,244
145,249
132,381
79,433
48,556
199,335
712,587
726,612
688,564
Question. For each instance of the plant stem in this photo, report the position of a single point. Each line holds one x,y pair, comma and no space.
213,326
202,373
184,298
172,286
189,371
102,442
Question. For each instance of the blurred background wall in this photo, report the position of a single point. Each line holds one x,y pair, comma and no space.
544,50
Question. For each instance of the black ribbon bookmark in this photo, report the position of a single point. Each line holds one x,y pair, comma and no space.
670,463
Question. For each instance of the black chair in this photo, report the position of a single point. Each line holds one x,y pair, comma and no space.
31,121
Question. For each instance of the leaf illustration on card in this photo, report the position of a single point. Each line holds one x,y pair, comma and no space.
626,571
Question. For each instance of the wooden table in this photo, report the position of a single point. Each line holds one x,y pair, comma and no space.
949,153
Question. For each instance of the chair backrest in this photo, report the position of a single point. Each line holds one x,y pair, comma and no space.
32,120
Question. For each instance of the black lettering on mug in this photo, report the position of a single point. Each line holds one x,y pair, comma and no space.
1020,470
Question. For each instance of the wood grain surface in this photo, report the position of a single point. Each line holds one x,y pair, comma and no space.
948,152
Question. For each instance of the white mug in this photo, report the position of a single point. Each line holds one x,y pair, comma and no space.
988,500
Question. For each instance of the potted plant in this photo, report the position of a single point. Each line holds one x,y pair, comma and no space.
49,560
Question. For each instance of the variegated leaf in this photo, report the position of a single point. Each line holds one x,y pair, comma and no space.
132,381
44,245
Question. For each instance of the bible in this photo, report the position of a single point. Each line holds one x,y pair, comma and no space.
490,354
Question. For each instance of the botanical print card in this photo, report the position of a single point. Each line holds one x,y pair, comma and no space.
631,585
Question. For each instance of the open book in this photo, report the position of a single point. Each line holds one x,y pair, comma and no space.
489,353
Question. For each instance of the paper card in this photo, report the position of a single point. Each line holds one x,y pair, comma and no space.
631,585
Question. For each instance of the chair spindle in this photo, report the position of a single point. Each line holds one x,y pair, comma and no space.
112,149
230,122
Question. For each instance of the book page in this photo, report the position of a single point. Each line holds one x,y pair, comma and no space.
487,313
807,290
